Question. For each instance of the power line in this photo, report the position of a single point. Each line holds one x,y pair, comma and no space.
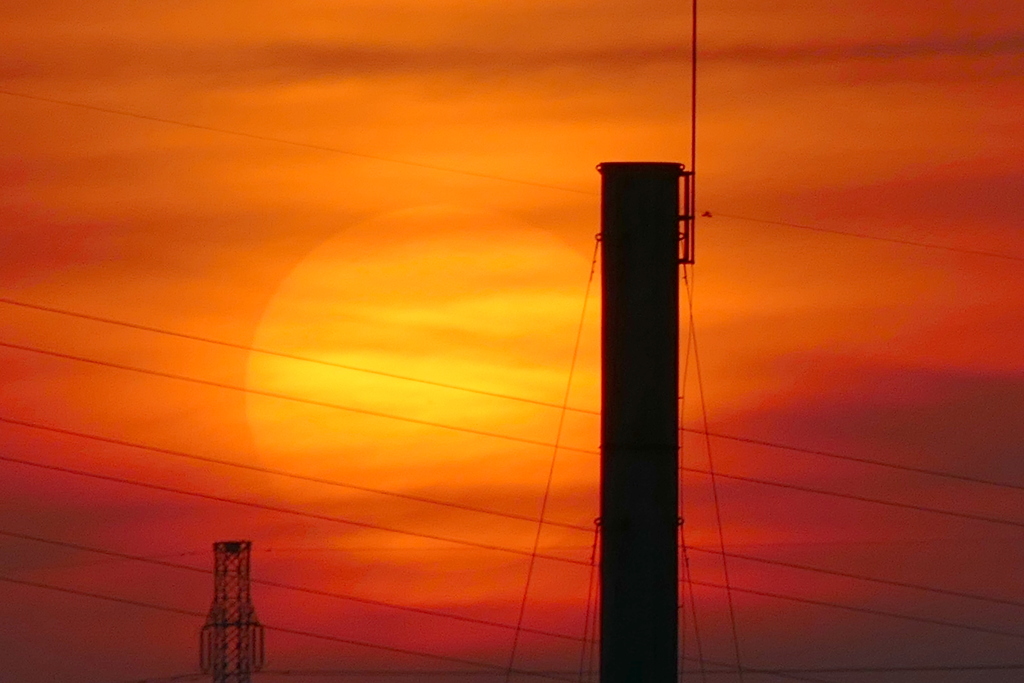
401,673
282,354
328,482
279,629
899,669
474,174
866,610
286,397
394,673
284,141
285,510
731,671
169,679
861,577
753,480
862,499
787,673
284,473
891,240
506,437
863,461
426,166
285,586
511,397
280,510
727,672
415,673
484,622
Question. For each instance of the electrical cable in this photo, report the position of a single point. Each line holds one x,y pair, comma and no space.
863,499
877,238
279,629
765,482
282,354
700,660
787,674
415,673
401,673
867,610
169,679
286,397
705,432
521,399
869,579
900,669
752,480
276,584
281,510
737,668
284,141
408,673
473,174
554,458
862,461
284,473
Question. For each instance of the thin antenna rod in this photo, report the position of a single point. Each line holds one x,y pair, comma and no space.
691,200
693,92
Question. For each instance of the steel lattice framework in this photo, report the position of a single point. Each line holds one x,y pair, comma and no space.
231,642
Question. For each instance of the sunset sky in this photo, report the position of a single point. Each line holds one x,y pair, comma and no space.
409,187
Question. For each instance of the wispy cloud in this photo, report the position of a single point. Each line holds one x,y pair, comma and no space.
299,61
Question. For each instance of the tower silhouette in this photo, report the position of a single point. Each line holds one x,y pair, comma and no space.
642,247
231,642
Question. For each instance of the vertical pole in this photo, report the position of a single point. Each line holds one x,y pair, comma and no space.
639,421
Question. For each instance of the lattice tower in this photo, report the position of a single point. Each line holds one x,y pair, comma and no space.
231,642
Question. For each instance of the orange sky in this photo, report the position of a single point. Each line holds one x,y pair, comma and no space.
355,246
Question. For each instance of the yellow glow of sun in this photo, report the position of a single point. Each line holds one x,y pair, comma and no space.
449,295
